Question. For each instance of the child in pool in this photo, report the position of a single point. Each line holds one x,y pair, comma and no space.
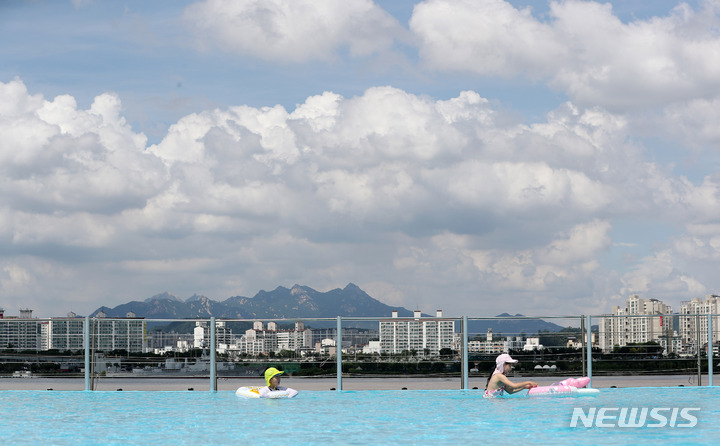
272,378
498,383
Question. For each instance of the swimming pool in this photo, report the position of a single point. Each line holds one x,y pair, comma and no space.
433,417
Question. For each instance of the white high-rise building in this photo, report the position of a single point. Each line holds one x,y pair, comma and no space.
20,333
64,333
127,333
417,333
293,340
693,322
67,333
640,321
202,336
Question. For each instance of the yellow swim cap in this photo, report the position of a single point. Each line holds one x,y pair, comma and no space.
270,372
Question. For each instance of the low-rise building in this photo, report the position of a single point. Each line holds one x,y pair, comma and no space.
265,339
532,344
577,343
373,347
489,345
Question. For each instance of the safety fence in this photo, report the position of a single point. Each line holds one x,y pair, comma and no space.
460,348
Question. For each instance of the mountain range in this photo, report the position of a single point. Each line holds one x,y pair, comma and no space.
299,302
296,302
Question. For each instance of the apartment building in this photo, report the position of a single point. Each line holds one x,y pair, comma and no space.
63,333
639,321
265,339
128,333
202,336
693,323
20,333
67,333
417,333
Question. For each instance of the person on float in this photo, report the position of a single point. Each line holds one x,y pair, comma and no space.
272,378
498,382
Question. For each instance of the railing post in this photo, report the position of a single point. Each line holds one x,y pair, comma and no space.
465,359
213,371
698,348
86,338
710,350
583,343
588,343
338,353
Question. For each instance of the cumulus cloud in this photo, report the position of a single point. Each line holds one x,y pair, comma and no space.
489,37
386,187
55,157
294,30
390,154
582,48
582,243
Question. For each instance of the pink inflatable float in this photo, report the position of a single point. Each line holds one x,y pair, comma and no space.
566,387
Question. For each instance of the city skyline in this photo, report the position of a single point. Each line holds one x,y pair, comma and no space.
480,156
642,322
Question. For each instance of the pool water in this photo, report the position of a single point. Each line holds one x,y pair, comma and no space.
347,417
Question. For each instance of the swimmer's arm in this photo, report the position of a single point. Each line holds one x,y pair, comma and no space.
291,392
511,387
263,392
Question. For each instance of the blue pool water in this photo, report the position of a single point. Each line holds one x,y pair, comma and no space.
432,417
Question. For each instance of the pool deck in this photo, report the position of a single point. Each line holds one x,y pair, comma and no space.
325,383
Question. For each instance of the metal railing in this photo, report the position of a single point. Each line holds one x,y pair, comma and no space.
696,333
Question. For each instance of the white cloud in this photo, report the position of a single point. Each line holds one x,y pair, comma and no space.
657,276
319,112
294,30
15,278
57,157
570,257
698,248
522,186
388,154
169,265
389,123
582,48
389,175
582,243
695,122
383,188
488,37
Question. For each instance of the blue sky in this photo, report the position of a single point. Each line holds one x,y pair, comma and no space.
476,156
